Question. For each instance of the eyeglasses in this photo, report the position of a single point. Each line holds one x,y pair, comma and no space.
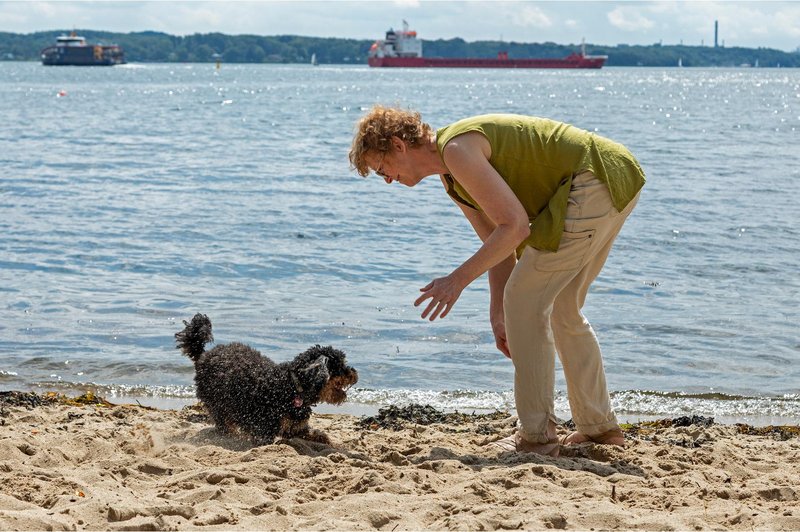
379,168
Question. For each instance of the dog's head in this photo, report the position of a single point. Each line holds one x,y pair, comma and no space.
322,375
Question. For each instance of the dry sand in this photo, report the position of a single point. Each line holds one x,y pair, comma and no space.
98,467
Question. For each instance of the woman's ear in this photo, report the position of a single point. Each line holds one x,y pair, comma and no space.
398,144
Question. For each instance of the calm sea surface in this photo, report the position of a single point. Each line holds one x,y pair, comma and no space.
145,193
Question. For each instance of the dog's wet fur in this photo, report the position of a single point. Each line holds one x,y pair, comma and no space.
245,392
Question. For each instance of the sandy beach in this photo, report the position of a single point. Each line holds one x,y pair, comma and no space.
68,464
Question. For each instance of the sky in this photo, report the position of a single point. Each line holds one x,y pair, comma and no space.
747,23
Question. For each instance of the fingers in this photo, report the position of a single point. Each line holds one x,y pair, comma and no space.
502,342
502,346
442,298
504,349
428,309
442,306
437,307
426,294
422,298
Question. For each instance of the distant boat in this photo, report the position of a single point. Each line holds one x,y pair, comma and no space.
680,61
314,59
72,50
403,49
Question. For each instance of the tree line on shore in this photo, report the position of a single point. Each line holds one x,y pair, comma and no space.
150,46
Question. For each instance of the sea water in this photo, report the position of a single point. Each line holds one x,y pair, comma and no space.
135,196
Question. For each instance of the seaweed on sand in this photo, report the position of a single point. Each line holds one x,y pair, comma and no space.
396,418
778,432
647,429
31,400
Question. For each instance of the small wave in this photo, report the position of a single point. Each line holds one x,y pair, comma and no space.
652,403
462,400
628,404
113,391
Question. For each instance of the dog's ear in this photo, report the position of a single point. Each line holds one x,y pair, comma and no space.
317,371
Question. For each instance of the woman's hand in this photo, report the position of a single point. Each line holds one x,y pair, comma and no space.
500,338
443,293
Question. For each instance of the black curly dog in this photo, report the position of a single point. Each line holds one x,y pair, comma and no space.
246,392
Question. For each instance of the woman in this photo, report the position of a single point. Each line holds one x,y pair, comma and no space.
547,200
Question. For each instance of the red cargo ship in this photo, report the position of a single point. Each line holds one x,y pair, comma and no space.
403,49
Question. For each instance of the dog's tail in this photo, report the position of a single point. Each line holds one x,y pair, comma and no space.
193,339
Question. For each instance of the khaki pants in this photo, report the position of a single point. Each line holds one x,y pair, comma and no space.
542,302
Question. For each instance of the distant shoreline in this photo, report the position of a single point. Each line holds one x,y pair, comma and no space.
575,70
156,47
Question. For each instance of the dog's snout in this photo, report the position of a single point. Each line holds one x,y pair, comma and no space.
352,376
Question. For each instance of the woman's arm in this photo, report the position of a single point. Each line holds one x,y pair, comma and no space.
498,276
467,158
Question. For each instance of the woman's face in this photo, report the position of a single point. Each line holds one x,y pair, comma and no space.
397,164
377,161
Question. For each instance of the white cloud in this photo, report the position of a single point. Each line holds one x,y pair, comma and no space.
532,17
16,14
200,17
788,20
740,23
629,19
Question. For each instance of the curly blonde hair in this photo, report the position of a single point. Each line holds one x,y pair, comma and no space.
375,130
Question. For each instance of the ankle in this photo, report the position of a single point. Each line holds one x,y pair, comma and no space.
551,431
550,435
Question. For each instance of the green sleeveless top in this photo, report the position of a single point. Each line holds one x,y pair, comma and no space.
538,157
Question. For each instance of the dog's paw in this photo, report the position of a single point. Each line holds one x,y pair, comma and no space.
315,436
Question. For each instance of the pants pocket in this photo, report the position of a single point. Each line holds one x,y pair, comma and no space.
571,255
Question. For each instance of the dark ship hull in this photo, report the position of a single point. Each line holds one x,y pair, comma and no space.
571,61
73,51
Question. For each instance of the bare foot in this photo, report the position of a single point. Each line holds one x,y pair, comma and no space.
515,443
610,437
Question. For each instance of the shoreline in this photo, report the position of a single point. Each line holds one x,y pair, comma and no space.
82,463
364,409
360,409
